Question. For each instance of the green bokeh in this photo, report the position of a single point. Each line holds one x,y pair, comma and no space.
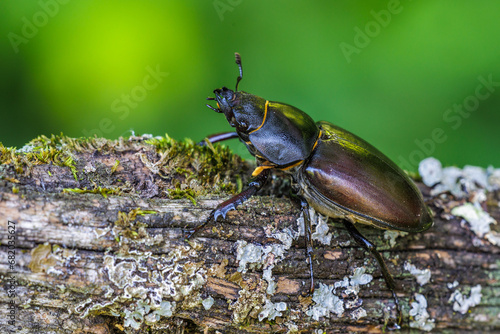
388,71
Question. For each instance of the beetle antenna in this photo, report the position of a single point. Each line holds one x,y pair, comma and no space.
210,98
238,62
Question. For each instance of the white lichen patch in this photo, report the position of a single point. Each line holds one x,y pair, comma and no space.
471,183
135,317
254,257
326,302
478,219
271,284
352,284
154,283
421,318
341,284
247,253
391,236
141,312
358,313
461,303
207,303
493,237
292,327
249,304
460,182
122,273
286,237
359,277
423,276
321,231
272,310
431,171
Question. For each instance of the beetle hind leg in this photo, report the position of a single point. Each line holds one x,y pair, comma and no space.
308,239
369,246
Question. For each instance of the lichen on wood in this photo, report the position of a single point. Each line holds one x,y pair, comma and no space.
100,248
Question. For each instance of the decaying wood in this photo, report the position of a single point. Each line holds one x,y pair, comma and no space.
88,263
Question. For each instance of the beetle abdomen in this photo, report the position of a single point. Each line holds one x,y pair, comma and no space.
355,177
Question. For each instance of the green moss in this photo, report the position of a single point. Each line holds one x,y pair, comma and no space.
8,156
41,150
115,166
98,190
124,219
178,193
127,225
189,170
200,169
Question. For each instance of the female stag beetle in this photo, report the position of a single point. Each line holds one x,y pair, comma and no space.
337,173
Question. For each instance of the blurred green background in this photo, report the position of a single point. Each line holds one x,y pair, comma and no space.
414,78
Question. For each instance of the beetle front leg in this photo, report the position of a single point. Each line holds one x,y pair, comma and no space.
219,137
369,246
233,202
308,239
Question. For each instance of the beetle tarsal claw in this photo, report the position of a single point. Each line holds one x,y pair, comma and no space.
217,214
223,211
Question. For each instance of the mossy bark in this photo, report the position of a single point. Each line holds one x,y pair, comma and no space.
99,248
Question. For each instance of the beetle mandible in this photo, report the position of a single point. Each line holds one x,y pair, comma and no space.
337,173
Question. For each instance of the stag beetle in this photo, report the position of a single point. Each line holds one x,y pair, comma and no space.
337,173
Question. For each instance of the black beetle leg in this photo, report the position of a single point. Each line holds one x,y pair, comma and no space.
219,137
308,239
367,245
233,202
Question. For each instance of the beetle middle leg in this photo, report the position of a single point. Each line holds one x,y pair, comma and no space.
233,202
369,246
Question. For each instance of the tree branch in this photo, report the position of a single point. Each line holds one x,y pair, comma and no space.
104,252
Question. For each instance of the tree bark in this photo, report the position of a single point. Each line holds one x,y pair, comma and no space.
105,252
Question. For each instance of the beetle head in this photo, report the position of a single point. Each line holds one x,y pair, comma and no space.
243,111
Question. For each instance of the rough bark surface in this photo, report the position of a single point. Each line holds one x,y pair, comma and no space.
118,262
